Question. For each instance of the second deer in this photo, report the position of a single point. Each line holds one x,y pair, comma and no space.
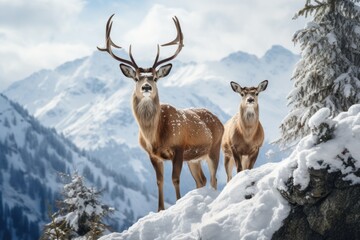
243,135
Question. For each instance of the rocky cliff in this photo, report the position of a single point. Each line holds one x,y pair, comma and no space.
328,207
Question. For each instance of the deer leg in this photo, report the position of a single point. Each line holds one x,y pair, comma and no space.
159,170
213,167
251,159
213,163
202,176
177,165
237,160
228,162
197,173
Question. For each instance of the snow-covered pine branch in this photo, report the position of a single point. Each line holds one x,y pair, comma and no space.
328,72
81,213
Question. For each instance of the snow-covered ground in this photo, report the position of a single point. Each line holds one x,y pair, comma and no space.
250,206
207,214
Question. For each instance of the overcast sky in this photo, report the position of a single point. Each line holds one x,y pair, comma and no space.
37,34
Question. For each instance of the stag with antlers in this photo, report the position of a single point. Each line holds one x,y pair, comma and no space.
167,133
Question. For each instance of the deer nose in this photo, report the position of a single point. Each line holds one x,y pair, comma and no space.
146,87
250,100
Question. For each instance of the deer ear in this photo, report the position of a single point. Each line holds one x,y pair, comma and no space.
236,87
164,70
128,71
262,86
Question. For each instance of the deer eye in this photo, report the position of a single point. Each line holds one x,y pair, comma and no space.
256,93
242,94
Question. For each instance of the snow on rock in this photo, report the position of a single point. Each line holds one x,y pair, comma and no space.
309,154
251,206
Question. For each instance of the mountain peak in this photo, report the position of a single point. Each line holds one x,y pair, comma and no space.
240,57
276,52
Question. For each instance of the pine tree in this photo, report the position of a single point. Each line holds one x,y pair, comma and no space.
329,70
56,230
80,213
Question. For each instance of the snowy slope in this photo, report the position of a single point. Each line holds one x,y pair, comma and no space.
251,206
207,214
88,100
31,158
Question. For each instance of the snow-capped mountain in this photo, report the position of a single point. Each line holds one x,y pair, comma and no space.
31,158
88,100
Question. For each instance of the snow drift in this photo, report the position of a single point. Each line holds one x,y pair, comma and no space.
251,206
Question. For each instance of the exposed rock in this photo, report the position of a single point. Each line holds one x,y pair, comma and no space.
324,187
329,208
321,184
296,227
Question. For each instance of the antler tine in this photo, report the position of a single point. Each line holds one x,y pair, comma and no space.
132,59
179,37
107,35
157,55
178,40
108,30
110,43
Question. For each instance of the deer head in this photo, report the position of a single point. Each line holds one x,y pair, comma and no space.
145,78
249,107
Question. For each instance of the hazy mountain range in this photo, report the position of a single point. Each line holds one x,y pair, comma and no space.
88,101
31,160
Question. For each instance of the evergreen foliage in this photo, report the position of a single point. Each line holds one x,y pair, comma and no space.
322,127
80,213
329,70
56,230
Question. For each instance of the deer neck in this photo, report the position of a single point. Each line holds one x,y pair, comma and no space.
147,114
249,119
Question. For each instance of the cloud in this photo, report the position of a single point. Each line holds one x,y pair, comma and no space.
212,30
46,14
26,60
28,32
45,33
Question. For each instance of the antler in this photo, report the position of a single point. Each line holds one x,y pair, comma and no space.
178,40
110,43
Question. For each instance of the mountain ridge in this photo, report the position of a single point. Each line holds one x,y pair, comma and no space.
31,156
88,100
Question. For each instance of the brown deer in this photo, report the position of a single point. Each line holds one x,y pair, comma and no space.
167,133
243,135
